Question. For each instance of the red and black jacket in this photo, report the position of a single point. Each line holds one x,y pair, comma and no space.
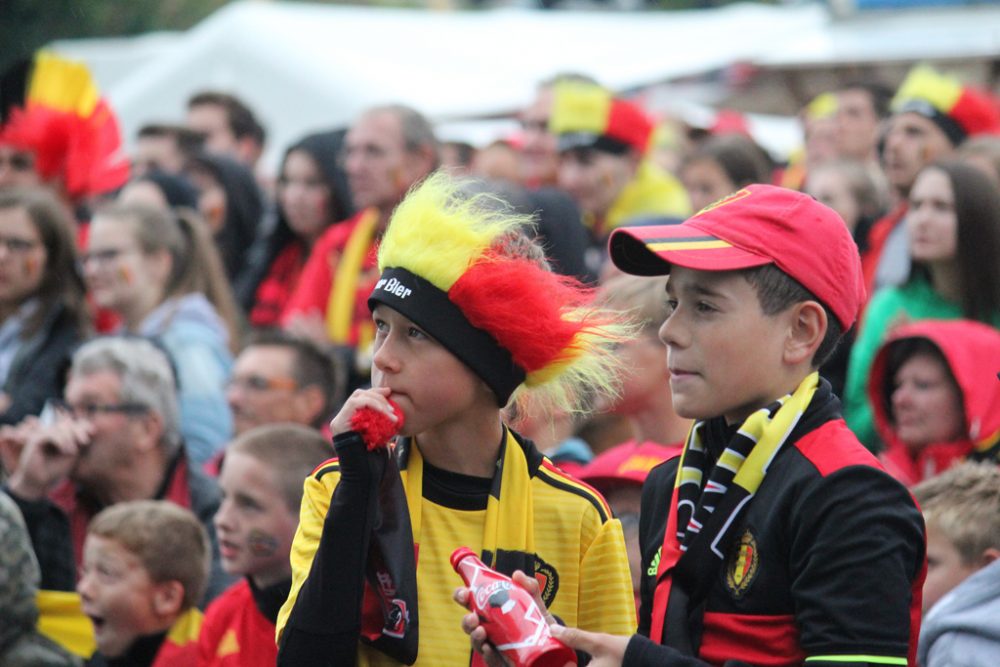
826,565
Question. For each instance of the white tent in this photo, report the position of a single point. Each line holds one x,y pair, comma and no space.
305,66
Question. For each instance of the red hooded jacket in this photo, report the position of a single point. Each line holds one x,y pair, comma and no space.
972,352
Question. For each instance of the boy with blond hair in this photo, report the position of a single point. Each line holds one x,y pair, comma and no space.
962,593
775,538
261,484
145,566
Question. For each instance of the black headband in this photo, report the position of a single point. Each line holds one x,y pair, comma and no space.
432,310
956,133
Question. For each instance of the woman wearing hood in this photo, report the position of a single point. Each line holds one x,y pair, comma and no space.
312,194
935,396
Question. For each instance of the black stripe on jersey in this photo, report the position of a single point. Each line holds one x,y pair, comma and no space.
334,466
553,480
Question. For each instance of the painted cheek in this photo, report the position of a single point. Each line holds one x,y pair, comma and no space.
262,544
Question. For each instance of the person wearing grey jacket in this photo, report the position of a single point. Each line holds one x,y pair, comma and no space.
963,628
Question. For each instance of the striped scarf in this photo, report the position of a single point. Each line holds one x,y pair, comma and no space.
708,509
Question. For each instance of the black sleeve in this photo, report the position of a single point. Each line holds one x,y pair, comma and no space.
656,493
643,652
48,528
325,623
856,559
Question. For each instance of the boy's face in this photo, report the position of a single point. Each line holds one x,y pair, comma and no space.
254,523
945,567
431,385
118,596
723,353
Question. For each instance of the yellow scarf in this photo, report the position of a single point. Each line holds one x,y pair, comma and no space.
344,290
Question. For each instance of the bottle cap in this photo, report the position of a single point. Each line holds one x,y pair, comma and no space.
460,553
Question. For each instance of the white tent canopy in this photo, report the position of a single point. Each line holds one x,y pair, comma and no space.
304,67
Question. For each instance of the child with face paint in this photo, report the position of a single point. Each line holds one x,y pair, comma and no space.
261,484
468,320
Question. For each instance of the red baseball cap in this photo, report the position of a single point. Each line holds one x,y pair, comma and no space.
758,225
629,462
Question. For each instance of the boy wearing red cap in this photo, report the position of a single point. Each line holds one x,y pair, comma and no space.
467,320
775,539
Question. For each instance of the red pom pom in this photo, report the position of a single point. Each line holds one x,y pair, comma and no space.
375,427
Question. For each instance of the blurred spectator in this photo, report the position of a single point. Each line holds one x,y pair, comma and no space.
43,315
278,378
602,143
539,155
165,148
229,126
721,165
457,157
936,398
162,275
820,132
982,152
161,190
861,108
386,151
21,645
498,161
954,242
144,569
231,204
116,438
848,188
312,195
262,486
17,166
961,624
932,115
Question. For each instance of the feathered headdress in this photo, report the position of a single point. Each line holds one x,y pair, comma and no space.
69,128
456,265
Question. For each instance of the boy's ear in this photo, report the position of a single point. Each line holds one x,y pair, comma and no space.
807,327
989,556
168,598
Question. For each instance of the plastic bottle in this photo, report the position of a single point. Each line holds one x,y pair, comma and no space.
513,622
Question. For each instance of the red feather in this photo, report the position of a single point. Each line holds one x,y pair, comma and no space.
375,427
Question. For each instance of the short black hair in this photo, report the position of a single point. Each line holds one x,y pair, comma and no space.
189,142
879,93
778,291
312,366
242,120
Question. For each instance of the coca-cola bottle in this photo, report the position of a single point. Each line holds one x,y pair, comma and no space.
513,621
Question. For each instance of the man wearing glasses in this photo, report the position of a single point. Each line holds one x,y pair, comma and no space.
114,439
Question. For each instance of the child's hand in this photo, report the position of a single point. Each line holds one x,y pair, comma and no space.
376,399
605,650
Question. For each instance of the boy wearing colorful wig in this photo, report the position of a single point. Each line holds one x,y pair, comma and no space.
775,538
467,319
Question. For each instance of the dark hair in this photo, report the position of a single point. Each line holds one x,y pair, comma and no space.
740,157
879,93
324,148
188,141
244,207
312,367
977,212
901,351
176,188
62,284
242,121
778,291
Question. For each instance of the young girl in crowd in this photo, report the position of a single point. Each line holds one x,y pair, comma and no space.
162,275
312,195
43,315
954,245
721,165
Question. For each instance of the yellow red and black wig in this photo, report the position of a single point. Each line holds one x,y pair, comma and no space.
451,263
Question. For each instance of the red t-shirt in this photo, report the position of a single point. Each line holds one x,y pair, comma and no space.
235,633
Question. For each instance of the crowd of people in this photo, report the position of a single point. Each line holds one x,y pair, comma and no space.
709,407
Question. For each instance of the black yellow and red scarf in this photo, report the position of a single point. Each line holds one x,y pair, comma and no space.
704,512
